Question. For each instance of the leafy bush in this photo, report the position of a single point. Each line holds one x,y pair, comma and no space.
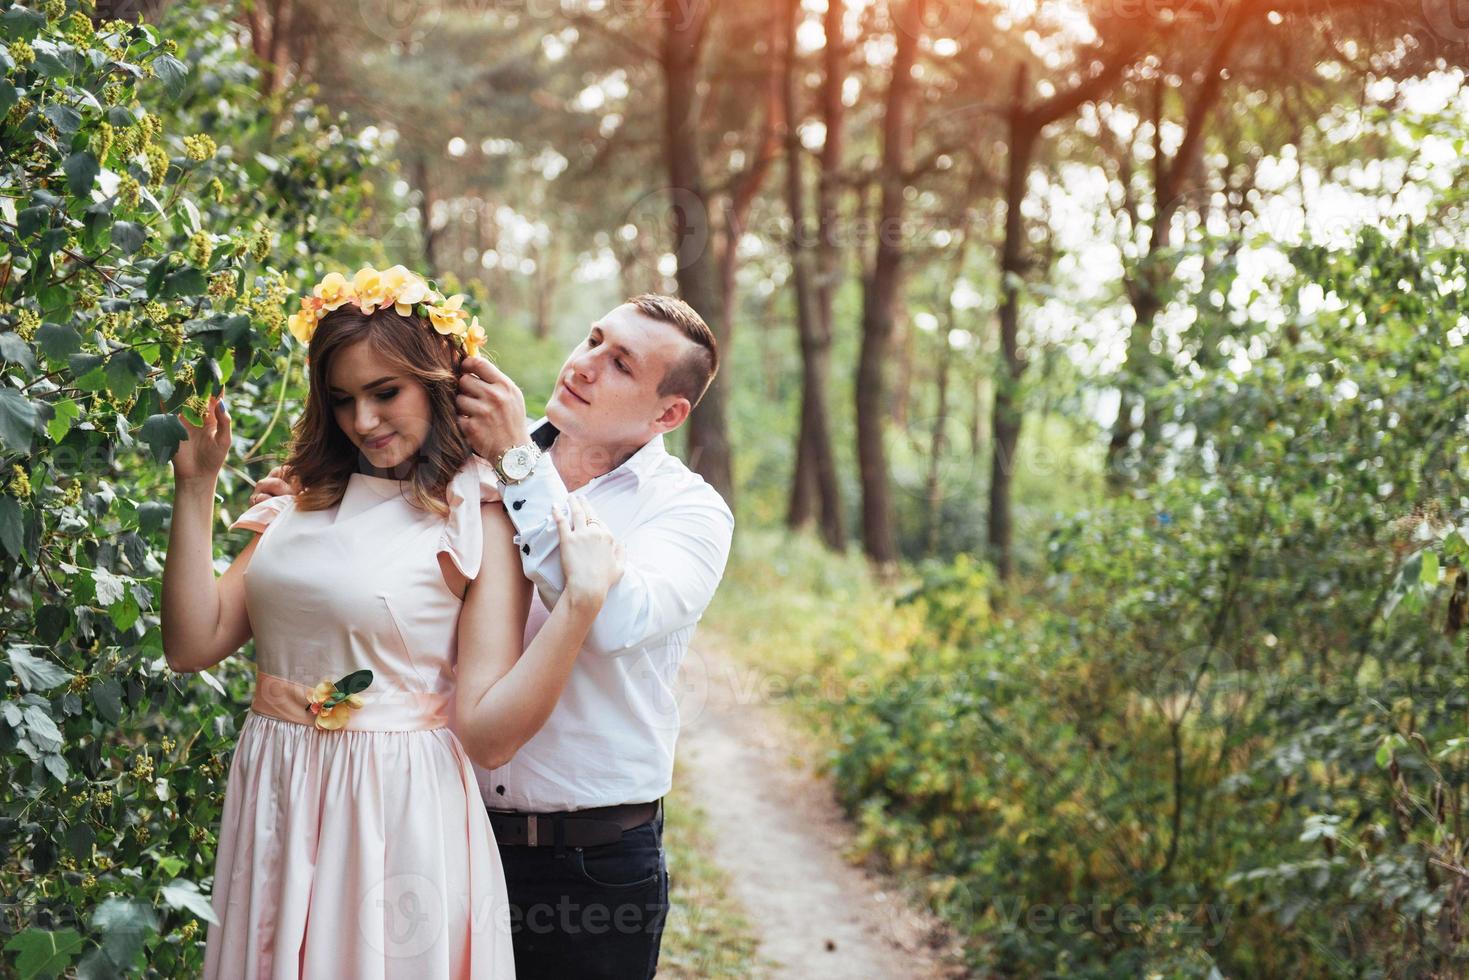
153,221
1227,731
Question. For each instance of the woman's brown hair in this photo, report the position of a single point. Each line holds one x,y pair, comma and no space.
323,457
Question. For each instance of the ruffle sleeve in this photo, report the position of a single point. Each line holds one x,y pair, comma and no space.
259,517
464,535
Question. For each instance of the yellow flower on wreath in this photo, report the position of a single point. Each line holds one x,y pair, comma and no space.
303,323
334,291
474,338
369,289
405,289
448,317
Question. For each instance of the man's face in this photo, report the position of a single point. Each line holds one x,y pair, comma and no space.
607,392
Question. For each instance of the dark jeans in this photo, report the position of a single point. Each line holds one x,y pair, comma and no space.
588,912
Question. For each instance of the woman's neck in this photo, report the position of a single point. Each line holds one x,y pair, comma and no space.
403,471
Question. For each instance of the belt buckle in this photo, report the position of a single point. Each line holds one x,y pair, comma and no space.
532,837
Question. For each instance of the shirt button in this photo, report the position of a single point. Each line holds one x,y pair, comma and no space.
525,548
518,504
500,790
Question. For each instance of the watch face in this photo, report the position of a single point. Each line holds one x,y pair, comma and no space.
517,463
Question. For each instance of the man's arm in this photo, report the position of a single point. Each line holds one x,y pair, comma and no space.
673,561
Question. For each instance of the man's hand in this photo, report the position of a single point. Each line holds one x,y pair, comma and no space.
491,409
277,483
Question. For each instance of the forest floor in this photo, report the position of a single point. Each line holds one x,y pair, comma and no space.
771,827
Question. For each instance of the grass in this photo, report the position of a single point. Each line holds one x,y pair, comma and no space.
815,620
707,936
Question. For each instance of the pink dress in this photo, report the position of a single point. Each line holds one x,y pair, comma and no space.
363,852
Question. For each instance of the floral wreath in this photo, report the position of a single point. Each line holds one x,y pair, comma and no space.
407,292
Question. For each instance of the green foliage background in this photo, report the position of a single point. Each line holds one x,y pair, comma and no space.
1224,733
155,220
1231,700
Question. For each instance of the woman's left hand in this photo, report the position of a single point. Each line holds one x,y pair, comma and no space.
591,559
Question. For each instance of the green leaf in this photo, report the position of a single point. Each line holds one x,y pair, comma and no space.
55,764
107,694
41,725
9,95
184,894
58,340
63,117
18,418
125,924
32,219
124,612
51,622
79,839
42,953
152,515
67,412
21,23
163,433
185,282
1428,574
81,172
17,352
110,588
124,370
171,864
12,530
36,673
129,236
355,682
172,72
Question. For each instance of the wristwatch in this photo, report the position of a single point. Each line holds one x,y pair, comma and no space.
517,462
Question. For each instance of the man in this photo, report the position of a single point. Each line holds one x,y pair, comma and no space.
577,812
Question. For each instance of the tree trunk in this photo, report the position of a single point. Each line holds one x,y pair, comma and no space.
697,275
548,272
828,264
426,229
937,448
1146,290
979,430
1007,409
1024,126
813,486
880,296
904,339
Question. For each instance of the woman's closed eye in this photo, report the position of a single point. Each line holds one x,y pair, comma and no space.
386,395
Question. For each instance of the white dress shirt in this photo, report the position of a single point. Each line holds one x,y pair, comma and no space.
610,738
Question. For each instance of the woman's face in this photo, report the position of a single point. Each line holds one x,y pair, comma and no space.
385,414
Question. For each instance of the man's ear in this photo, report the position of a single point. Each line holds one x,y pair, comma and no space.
674,415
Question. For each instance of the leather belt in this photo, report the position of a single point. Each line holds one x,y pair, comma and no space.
572,828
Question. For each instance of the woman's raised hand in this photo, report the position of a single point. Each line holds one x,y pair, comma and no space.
591,559
201,457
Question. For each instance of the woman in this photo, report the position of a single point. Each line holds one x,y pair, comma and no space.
386,601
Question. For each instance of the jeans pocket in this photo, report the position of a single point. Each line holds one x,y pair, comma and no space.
635,861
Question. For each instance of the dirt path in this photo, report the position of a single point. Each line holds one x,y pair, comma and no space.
780,835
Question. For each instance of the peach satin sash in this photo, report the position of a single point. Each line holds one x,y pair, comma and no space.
384,711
